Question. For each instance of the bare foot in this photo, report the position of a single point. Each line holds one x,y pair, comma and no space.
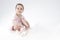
19,29
13,28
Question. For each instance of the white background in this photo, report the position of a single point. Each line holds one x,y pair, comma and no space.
43,16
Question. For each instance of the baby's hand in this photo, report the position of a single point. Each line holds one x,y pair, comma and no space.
14,28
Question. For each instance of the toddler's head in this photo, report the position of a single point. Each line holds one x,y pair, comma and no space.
19,8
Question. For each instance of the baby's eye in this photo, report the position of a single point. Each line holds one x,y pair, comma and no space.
18,8
21,9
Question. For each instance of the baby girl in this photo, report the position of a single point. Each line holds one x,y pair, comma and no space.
19,20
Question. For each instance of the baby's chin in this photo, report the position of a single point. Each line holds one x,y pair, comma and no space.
19,13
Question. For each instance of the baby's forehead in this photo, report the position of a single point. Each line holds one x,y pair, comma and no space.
19,6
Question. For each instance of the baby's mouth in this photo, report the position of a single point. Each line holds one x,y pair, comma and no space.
19,11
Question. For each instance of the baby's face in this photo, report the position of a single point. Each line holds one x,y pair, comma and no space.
19,9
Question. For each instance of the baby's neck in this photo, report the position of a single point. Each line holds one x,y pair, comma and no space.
19,15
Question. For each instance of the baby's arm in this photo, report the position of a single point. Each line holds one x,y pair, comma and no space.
25,23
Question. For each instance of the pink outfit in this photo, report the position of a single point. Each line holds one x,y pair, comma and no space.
17,21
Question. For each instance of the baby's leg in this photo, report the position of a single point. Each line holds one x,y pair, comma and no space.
13,29
19,28
16,27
